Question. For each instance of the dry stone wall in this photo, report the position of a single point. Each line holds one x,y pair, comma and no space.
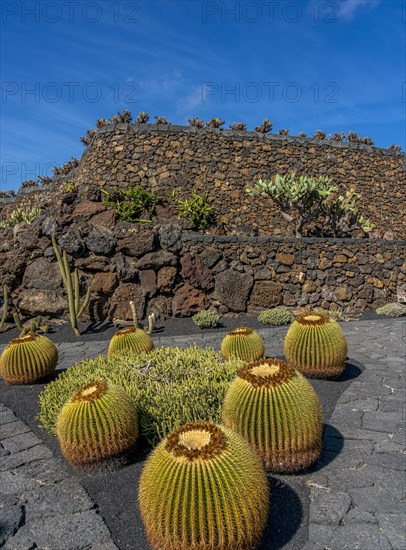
223,163
173,271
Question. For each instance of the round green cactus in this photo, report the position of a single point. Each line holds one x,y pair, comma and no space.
203,488
99,421
28,359
132,339
277,411
242,343
316,346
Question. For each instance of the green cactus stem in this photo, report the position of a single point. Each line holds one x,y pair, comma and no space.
277,412
316,346
99,421
203,488
72,288
28,359
242,343
5,307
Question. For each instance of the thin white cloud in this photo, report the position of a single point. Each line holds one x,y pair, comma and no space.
349,8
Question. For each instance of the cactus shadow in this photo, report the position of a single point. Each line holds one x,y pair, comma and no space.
285,515
351,371
333,443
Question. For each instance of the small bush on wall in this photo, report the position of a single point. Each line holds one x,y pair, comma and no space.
134,204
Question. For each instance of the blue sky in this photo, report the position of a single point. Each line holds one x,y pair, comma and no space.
335,65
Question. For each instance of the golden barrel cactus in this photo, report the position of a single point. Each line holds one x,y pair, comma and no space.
242,343
28,359
99,421
203,488
316,346
132,339
277,411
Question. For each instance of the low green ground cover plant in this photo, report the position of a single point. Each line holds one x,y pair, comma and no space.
197,210
276,316
169,386
393,309
134,204
19,215
206,319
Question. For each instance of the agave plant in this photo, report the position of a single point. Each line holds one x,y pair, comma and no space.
277,411
202,488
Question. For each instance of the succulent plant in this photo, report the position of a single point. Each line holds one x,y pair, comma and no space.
142,118
319,134
265,127
316,346
278,413
102,122
161,120
276,316
215,123
27,184
238,126
99,421
132,339
196,122
206,319
203,488
28,359
367,141
283,132
86,140
166,386
5,307
395,148
302,134
242,343
353,137
394,309
72,288
337,136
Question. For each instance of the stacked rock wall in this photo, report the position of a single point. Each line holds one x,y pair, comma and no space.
173,271
223,163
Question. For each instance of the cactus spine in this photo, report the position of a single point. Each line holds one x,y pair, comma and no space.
75,309
242,343
28,359
99,421
202,488
316,346
277,411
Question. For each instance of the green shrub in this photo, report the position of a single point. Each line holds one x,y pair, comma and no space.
206,319
169,386
392,310
131,204
197,210
276,316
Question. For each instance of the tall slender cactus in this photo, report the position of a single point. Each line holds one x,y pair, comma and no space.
5,307
72,289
